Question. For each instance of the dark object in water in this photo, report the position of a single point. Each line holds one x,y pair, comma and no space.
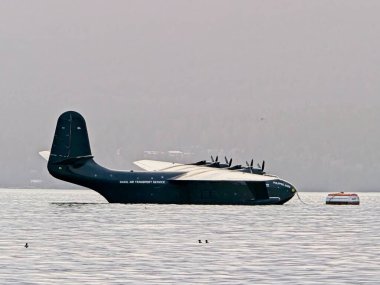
26,245
71,160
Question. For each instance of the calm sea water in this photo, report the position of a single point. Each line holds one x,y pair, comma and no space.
75,237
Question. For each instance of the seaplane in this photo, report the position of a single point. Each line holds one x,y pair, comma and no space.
210,183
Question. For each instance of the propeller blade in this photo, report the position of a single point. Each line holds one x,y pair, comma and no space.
226,160
212,159
216,159
247,163
263,166
230,163
252,162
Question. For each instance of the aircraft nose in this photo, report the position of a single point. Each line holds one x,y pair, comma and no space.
291,188
288,189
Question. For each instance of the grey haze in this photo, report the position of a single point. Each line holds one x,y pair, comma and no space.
293,82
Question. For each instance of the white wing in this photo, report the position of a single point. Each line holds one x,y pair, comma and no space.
204,173
154,165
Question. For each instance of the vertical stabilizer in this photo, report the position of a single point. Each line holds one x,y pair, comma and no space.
70,138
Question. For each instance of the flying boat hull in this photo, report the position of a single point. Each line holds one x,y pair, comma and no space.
165,183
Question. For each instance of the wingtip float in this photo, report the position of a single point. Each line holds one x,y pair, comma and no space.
71,160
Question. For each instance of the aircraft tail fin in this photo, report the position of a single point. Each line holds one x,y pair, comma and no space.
70,139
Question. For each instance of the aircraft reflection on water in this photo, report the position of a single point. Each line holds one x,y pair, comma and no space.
203,182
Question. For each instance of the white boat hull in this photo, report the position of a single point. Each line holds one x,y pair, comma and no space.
342,199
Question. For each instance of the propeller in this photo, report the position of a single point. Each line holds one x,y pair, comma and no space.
262,166
228,162
250,165
214,160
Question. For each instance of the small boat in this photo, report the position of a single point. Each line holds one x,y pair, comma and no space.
342,198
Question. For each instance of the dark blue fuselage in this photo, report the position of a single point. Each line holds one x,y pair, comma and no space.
161,187
71,160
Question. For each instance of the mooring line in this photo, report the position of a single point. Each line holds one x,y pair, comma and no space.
299,198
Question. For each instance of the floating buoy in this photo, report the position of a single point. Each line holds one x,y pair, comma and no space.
342,198
26,245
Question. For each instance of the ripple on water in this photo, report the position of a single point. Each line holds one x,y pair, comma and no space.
76,238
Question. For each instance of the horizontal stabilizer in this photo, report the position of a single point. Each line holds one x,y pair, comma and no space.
45,154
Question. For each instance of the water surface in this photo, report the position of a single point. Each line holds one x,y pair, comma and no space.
76,237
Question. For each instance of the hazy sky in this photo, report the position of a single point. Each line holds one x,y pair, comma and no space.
296,83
